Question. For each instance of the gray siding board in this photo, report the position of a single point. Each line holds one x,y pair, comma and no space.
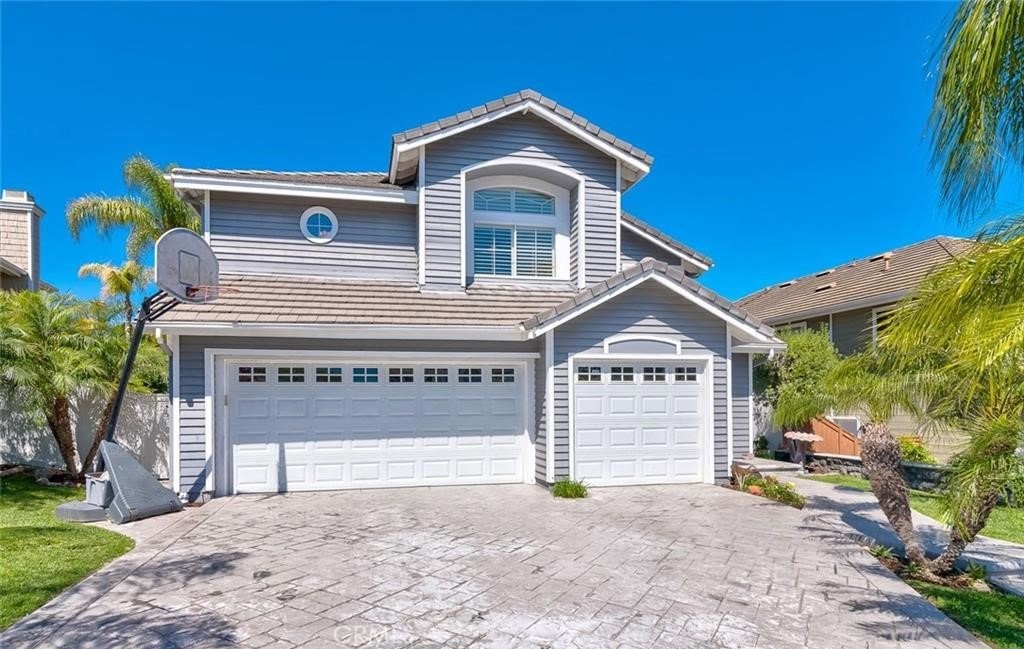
740,405
192,384
851,331
261,235
522,137
540,413
634,249
649,309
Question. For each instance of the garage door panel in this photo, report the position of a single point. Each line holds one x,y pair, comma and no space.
622,437
651,437
621,405
333,434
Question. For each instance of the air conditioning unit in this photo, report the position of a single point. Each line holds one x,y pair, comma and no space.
849,424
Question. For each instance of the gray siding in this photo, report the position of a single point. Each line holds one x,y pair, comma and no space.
740,405
192,408
650,309
634,249
851,331
261,235
540,410
524,137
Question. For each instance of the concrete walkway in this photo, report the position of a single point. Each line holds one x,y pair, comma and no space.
859,509
679,567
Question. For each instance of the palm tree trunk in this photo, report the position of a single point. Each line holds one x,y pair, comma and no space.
99,433
964,532
880,453
128,311
59,421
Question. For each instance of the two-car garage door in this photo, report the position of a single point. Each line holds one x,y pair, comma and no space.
301,425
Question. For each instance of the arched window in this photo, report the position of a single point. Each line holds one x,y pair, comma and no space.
513,200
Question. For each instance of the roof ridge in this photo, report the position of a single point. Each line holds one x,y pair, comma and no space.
277,172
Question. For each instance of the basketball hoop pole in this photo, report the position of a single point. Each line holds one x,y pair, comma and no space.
155,305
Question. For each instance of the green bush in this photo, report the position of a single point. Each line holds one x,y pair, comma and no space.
566,488
912,450
792,382
770,487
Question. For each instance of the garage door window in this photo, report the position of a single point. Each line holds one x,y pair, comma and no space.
328,375
470,375
364,374
252,375
588,374
435,375
291,375
686,374
503,375
401,375
622,374
654,375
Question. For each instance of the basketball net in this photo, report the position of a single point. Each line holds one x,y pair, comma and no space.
204,293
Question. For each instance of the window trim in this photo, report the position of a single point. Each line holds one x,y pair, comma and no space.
875,314
309,213
514,229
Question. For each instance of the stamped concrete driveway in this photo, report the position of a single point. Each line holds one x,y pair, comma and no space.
685,566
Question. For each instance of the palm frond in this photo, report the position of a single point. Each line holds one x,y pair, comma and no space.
106,214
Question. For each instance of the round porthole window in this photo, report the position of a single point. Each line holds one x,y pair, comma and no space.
319,225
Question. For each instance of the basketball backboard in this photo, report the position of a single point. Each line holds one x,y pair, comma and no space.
186,267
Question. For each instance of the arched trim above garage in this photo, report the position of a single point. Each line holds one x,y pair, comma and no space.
641,344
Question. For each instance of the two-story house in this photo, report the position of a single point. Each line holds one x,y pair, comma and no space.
482,312
19,241
850,302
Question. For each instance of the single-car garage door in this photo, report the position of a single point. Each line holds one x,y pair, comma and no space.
302,426
639,423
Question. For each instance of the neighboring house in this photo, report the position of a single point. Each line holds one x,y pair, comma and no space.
482,312
850,301
19,241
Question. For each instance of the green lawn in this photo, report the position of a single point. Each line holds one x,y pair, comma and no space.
41,556
1005,523
995,617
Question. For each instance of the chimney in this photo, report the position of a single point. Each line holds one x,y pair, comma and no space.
888,261
19,239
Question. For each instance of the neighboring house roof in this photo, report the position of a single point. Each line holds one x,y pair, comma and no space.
643,226
371,179
403,162
872,281
10,268
269,300
634,275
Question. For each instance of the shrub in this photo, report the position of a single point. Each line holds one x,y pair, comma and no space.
791,382
566,488
976,571
770,487
912,450
881,552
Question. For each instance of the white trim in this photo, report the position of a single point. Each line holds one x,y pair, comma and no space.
758,348
860,303
750,402
206,215
33,249
282,188
708,385
618,216
549,407
527,106
304,221
658,242
729,430
581,232
217,476
878,311
368,331
674,287
618,338
9,205
175,468
421,213
831,329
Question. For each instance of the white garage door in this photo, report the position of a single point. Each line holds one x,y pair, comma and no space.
639,423
306,426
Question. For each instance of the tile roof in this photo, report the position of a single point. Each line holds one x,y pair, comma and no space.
281,299
891,274
371,179
514,99
647,267
664,238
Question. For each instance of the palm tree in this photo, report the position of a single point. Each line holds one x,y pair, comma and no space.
44,359
154,210
119,283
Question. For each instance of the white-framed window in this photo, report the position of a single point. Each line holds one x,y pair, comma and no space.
687,374
518,227
654,374
247,374
329,374
879,320
470,375
435,375
401,375
319,225
503,375
588,374
365,374
291,375
621,374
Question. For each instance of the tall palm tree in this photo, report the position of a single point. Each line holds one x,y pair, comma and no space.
154,209
119,283
44,359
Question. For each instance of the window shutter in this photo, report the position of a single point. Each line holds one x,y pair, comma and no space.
492,251
534,252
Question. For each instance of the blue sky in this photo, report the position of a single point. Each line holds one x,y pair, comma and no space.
787,137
